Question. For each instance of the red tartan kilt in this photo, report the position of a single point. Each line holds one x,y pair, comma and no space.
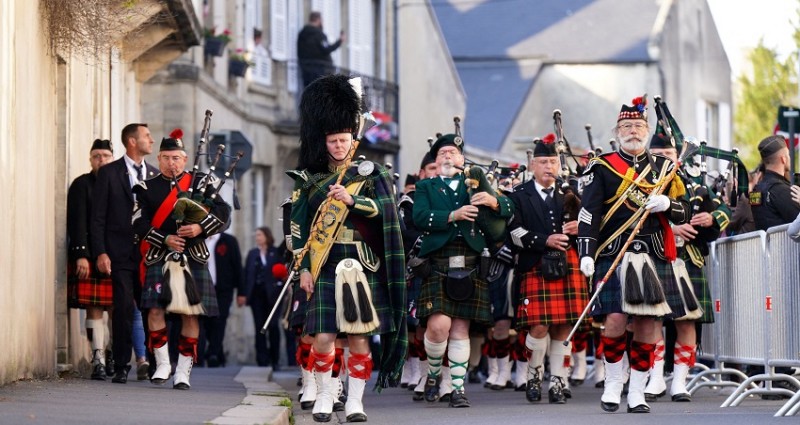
552,302
89,292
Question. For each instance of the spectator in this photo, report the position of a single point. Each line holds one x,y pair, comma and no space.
314,51
263,290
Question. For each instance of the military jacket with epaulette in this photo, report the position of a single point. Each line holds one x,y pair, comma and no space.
620,178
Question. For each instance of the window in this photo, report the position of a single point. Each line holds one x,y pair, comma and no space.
259,197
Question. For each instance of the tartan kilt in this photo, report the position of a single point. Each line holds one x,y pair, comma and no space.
610,299
433,299
552,302
701,289
152,287
321,308
89,292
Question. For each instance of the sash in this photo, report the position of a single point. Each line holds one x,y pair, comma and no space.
621,167
161,215
328,222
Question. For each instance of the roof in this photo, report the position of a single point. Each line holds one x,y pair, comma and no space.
498,58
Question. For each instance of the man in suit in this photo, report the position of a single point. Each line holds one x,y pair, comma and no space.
453,294
552,292
113,239
225,268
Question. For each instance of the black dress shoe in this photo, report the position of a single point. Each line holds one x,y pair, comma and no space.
556,394
600,384
338,406
649,397
533,392
575,382
213,361
642,408
99,372
520,388
121,375
567,392
418,396
432,388
609,407
357,417
307,405
321,417
109,364
458,399
473,377
682,397
445,398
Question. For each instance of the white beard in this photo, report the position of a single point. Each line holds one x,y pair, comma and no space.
448,169
631,144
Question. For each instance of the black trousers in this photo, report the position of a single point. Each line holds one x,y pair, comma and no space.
261,304
126,289
215,331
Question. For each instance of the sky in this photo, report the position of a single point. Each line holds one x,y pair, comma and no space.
741,23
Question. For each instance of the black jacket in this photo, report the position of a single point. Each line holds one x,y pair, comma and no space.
533,217
111,231
772,203
79,208
313,47
228,262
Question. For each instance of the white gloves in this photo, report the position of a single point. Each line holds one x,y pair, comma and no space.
587,266
657,203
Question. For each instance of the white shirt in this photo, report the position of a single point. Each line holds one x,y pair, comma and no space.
132,173
542,193
211,243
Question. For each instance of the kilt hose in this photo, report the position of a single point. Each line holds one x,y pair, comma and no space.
701,288
155,276
89,292
610,299
552,302
321,308
433,298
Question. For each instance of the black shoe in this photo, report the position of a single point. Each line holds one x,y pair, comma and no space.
110,363
497,387
533,392
600,384
357,417
520,388
307,405
567,392
322,417
445,398
642,408
300,381
213,361
418,396
609,407
648,397
458,399
575,382
143,371
99,372
683,397
338,406
556,394
432,388
473,377
121,375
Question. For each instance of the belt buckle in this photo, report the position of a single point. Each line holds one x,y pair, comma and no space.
346,235
457,262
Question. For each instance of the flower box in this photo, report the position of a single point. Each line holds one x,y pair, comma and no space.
237,68
214,46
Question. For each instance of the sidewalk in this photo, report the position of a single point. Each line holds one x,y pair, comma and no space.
231,395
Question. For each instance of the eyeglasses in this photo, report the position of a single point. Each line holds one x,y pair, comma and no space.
102,156
442,153
628,126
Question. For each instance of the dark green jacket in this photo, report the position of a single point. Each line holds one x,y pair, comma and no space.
434,200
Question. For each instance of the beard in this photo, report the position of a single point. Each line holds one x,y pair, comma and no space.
448,169
631,144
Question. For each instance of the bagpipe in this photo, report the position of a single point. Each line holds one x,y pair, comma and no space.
192,207
179,292
569,178
732,182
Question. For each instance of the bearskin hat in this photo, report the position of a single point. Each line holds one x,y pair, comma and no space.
329,105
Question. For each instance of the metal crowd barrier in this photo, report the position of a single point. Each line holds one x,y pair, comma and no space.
755,288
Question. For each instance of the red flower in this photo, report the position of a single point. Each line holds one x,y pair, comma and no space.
222,249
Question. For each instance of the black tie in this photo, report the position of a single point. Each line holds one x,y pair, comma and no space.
549,201
139,175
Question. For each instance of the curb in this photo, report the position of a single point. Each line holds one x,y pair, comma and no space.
265,403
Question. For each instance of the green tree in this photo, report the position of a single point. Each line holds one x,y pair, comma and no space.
772,83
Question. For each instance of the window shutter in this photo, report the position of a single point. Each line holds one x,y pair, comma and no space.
360,37
279,30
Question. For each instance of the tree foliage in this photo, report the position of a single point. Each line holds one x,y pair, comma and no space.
772,83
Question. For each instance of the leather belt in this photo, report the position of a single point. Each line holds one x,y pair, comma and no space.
445,262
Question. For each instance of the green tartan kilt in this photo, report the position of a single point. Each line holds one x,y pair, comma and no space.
321,308
434,300
610,298
155,276
701,288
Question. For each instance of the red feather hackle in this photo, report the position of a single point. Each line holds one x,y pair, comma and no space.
550,138
176,134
